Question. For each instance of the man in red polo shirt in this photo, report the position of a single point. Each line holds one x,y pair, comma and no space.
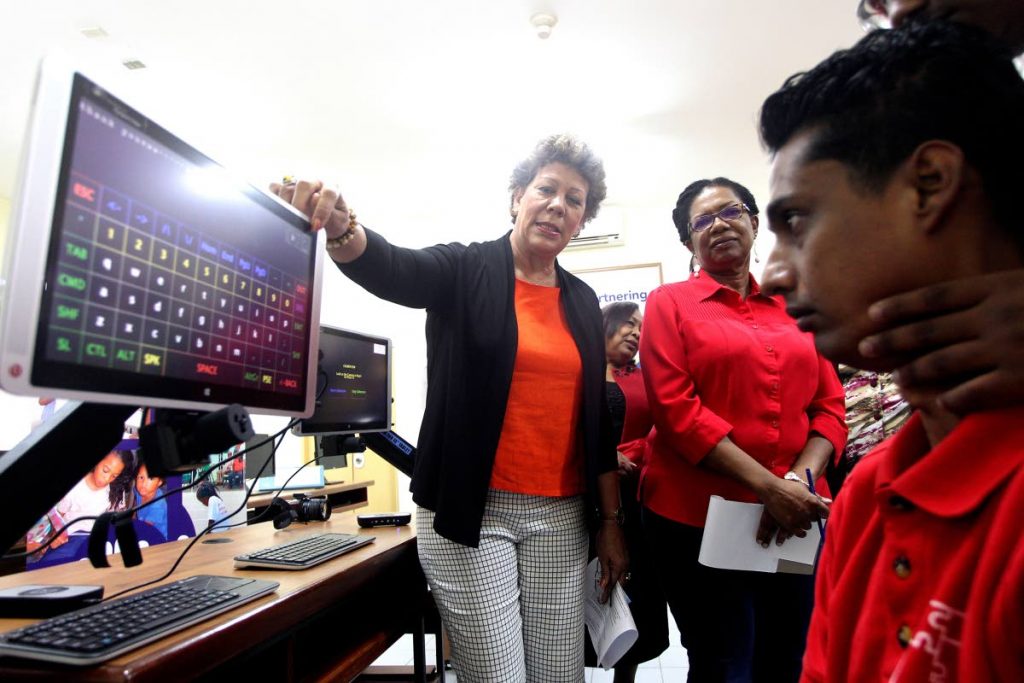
897,166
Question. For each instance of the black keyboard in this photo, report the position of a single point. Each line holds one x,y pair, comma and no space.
99,632
304,553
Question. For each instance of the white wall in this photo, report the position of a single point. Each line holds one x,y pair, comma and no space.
5,214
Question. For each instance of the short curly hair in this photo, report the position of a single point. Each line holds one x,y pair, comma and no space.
566,149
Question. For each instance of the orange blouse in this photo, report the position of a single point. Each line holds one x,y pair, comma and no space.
537,452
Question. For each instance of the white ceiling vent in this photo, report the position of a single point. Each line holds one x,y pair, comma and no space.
607,230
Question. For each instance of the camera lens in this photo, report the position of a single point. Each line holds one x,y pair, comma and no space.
314,509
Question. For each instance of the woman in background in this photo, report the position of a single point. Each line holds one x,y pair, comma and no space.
631,422
743,407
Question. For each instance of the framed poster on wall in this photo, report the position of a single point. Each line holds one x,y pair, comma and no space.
622,283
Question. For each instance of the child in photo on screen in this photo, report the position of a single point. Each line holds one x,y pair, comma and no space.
89,497
207,494
146,489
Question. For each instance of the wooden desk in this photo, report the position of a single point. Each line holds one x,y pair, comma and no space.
327,623
342,497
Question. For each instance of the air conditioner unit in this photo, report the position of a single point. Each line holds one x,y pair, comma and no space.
607,230
585,241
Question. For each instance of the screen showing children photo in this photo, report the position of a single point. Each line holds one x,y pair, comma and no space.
118,482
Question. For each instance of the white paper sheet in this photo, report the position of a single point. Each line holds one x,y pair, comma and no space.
611,626
730,540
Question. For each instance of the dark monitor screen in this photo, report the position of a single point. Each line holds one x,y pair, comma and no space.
255,456
331,452
357,398
140,271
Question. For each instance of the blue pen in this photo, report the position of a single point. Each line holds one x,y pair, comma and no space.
810,487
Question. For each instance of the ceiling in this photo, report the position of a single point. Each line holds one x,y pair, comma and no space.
421,108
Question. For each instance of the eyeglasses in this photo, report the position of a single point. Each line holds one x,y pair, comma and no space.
873,14
706,220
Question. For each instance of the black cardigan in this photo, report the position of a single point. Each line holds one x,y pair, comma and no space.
472,337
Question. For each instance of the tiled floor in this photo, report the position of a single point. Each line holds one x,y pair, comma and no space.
670,667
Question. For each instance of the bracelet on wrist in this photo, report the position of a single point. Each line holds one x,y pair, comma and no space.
618,517
334,243
793,476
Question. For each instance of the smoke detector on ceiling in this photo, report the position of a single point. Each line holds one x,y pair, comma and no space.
543,23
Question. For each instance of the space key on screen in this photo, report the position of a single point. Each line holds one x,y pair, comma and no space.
203,369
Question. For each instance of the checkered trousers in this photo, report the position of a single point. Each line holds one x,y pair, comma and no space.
513,607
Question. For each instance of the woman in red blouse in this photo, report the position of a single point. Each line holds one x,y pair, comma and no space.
742,407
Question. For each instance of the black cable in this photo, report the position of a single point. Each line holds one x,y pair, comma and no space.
206,530
209,529
209,470
245,500
131,511
279,491
49,541
167,573
248,493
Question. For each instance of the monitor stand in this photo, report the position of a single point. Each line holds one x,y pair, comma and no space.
40,470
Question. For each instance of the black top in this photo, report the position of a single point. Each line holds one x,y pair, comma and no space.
472,337
617,406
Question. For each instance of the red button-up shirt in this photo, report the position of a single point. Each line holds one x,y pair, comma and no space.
718,365
922,574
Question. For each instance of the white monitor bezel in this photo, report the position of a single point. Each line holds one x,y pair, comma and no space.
34,203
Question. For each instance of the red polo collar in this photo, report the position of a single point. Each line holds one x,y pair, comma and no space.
957,475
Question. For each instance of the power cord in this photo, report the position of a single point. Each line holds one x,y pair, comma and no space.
203,532
280,436
131,511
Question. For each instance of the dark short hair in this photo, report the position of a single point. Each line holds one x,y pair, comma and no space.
681,214
572,152
872,105
616,315
206,490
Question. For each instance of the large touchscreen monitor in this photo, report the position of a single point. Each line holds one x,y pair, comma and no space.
140,271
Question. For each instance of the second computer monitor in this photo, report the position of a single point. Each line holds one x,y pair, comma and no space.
259,457
356,368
